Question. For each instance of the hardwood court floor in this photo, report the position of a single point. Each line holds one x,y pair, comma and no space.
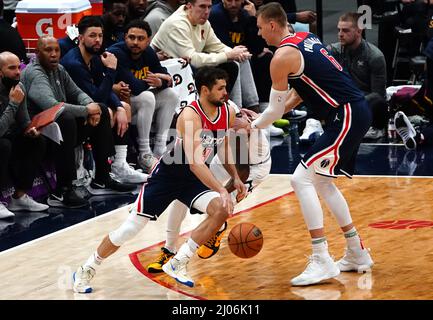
42,269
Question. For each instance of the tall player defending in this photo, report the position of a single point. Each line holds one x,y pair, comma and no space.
182,174
320,82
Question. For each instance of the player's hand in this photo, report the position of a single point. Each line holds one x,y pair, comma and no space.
121,119
32,132
109,60
153,80
227,201
306,16
241,123
250,8
162,55
238,53
250,114
16,95
241,189
122,90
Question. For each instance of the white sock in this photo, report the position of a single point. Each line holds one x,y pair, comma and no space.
121,152
94,261
143,146
353,239
176,213
160,144
320,246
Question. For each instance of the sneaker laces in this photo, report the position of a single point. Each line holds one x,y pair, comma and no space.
162,256
182,267
312,260
404,133
87,274
212,241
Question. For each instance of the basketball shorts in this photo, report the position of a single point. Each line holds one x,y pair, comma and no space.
157,194
335,151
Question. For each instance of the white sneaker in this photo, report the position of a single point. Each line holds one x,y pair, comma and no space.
275,132
4,212
82,279
355,260
125,173
405,130
313,130
296,114
26,203
147,162
177,269
374,133
319,268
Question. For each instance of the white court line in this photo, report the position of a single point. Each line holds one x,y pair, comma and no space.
383,144
63,230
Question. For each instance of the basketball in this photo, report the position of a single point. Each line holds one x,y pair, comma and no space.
245,240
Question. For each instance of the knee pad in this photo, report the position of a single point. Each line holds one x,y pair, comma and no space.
128,230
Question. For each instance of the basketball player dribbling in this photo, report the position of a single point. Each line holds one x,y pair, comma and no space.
253,163
330,94
182,174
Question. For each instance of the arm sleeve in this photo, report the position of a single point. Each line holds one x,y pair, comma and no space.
273,112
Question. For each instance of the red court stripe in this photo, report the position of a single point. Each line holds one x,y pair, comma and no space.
134,255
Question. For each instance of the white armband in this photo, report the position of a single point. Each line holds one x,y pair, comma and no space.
275,110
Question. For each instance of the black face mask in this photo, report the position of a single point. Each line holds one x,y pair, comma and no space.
9,83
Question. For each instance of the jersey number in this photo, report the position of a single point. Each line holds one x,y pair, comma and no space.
331,58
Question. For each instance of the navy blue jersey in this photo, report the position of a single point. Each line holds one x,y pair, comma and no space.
174,164
321,82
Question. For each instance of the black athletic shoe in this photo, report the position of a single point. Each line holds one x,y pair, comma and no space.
66,198
111,186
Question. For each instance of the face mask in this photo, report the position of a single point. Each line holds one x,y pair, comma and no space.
9,83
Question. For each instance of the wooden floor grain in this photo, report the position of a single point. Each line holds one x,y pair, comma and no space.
403,257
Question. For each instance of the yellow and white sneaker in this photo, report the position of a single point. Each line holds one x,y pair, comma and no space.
156,266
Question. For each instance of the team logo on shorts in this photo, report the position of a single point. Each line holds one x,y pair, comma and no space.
324,163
